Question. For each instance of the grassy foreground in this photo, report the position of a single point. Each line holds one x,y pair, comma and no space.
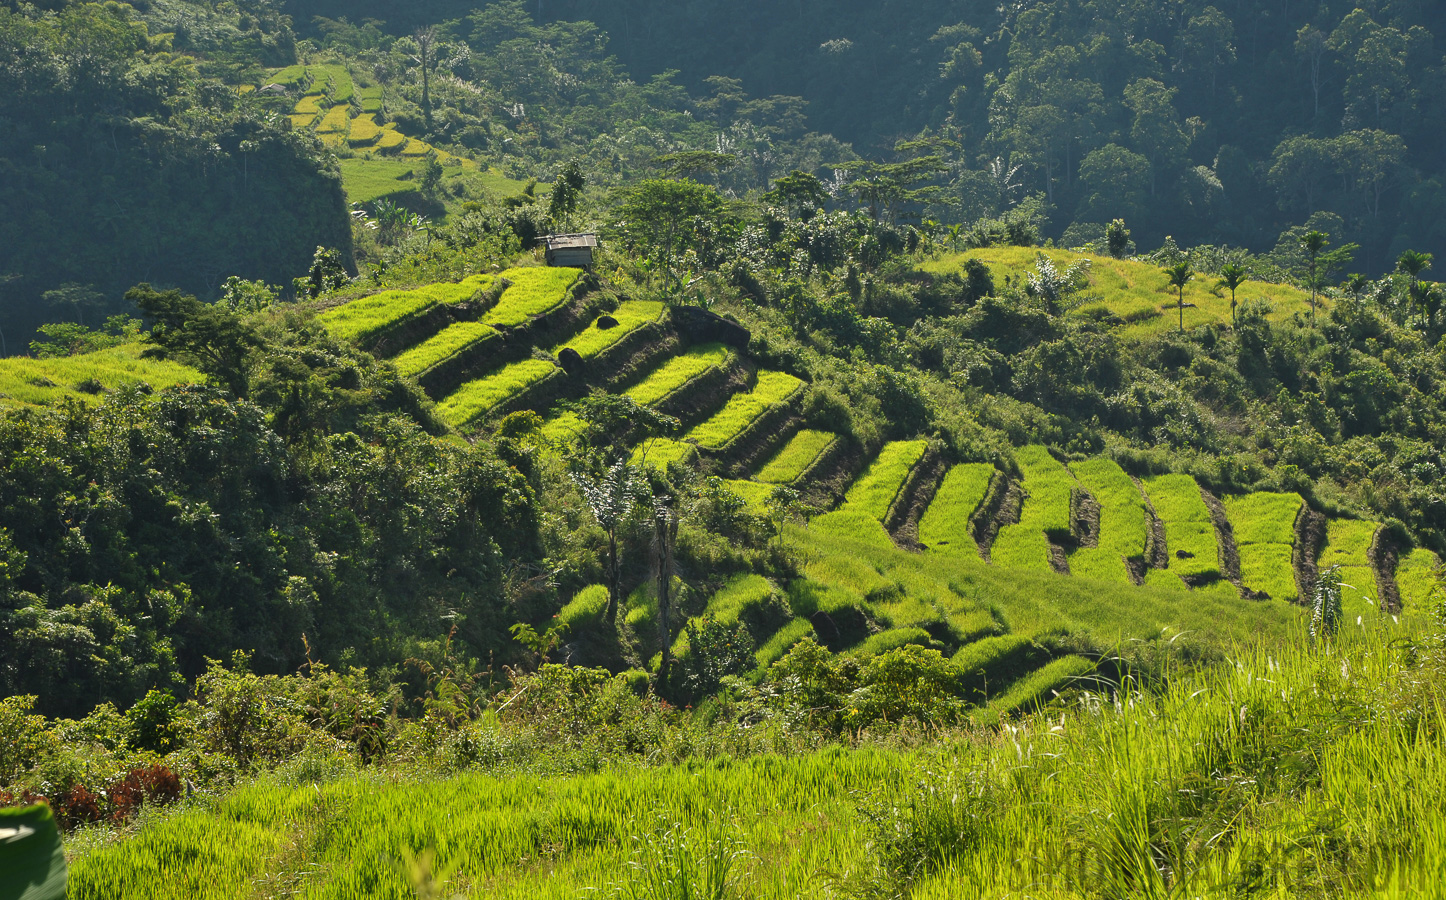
1312,770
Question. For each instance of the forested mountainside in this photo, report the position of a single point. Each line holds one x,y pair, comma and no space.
1216,123
1212,124
976,466
122,160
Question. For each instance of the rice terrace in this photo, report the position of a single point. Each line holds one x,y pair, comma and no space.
689,467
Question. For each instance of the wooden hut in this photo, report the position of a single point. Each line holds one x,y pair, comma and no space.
574,250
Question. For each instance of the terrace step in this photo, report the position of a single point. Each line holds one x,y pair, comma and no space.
1263,528
826,482
516,342
768,433
729,447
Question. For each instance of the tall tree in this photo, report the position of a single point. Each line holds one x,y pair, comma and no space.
1180,275
1321,262
1156,128
1313,244
1232,276
1411,264
208,336
656,216
425,57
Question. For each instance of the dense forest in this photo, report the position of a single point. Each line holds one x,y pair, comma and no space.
988,448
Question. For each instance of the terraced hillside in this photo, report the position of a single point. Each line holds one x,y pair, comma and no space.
1002,567
377,159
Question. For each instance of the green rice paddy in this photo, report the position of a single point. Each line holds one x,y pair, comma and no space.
321,74
945,524
755,495
480,396
796,457
585,610
773,389
563,427
1264,527
368,318
1063,804
1347,545
1048,487
630,315
1194,550
874,491
87,377
1124,526
1417,581
535,290
677,372
661,452
443,346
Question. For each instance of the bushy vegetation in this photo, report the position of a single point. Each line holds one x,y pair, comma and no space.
197,182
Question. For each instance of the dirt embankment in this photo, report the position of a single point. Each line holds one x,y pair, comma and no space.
1383,556
1157,550
1310,533
914,499
1006,502
1225,537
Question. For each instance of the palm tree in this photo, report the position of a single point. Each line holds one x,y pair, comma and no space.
1232,276
1180,275
1313,243
1412,264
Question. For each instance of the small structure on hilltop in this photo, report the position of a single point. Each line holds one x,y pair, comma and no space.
574,250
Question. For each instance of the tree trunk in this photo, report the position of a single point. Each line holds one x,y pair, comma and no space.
611,615
666,536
